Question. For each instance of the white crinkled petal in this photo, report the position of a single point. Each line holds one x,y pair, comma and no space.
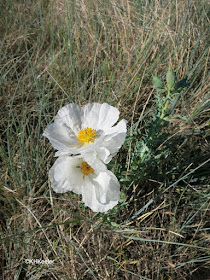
71,115
101,193
113,138
65,175
61,137
95,157
107,187
99,116
103,153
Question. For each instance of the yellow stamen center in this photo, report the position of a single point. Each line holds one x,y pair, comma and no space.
86,135
86,169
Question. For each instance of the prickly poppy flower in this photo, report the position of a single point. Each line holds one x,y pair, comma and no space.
100,189
88,131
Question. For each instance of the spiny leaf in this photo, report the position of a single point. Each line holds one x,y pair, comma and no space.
170,78
157,82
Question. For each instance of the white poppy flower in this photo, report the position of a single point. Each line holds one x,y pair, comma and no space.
87,131
100,190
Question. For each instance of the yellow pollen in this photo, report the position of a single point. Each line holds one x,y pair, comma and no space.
86,135
86,169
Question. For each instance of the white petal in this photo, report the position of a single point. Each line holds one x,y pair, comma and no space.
99,116
59,153
65,175
61,137
95,156
107,187
71,115
113,138
101,192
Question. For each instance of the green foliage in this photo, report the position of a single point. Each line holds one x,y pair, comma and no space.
157,82
170,78
166,104
154,151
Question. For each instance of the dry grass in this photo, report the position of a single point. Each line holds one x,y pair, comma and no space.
56,52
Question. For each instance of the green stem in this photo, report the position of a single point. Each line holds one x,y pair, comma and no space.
166,105
161,117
